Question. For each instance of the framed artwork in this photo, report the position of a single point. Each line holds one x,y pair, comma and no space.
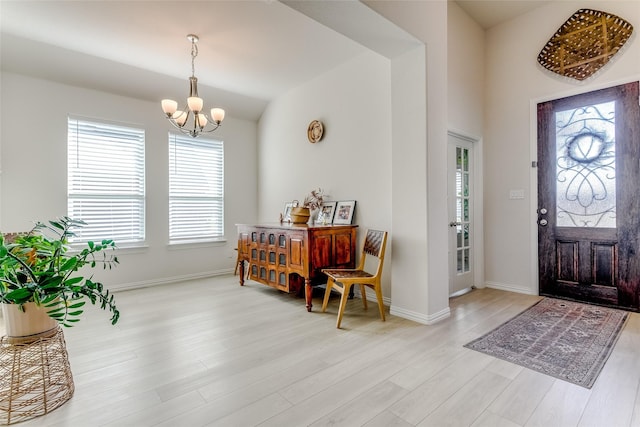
344,212
286,215
325,213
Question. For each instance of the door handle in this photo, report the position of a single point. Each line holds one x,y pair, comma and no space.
542,221
454,224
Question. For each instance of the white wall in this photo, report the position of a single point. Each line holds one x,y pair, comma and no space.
465,72
33,142
410,290
423,289
465,93
351,162
515,83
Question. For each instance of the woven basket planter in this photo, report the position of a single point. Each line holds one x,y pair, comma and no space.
35,378
300,215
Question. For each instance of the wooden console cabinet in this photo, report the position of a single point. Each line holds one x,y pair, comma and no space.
285,255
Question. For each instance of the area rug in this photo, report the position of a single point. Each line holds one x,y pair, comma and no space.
564,339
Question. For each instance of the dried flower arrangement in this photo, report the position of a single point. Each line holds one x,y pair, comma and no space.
314,200
300,213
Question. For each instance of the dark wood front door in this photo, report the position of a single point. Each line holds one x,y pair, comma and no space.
589,197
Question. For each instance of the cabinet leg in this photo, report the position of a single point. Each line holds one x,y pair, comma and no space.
241,270
308,293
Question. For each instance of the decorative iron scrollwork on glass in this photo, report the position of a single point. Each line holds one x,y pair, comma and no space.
586,167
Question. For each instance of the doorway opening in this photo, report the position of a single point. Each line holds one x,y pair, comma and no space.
588,207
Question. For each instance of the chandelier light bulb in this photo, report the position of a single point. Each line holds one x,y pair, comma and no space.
195,104
180,117
217,114
202,120
169,106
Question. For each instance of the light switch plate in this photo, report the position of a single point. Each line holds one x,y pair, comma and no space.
516,194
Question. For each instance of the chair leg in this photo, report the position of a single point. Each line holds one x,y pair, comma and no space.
380,303
343,303
363,294
327,293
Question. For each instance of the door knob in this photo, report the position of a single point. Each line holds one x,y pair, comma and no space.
454,223
543,222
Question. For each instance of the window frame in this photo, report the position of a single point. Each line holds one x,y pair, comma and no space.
125,196
208,177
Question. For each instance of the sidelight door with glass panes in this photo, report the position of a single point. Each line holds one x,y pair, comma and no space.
460,200
588,210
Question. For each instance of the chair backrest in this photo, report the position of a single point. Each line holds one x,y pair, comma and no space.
374,245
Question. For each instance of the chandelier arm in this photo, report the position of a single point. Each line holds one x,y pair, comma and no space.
196,130
214,123
216,126
196,123
185,111
181,129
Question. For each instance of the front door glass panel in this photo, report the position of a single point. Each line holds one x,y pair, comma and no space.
586,166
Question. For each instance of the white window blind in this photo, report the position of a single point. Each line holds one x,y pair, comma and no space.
196,188
106,181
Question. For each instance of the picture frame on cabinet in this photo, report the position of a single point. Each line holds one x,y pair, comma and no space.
325,213
286,215
344,212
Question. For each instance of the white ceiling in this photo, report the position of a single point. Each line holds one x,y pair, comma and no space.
491,13
249,51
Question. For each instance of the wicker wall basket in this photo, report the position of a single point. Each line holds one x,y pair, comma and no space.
584,43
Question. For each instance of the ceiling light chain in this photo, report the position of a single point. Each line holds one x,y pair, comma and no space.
194,52
179,118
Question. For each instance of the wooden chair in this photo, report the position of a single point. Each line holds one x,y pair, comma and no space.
343,279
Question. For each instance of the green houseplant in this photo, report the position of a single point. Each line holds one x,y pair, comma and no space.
40,268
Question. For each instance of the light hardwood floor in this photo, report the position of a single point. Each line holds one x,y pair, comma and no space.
210,352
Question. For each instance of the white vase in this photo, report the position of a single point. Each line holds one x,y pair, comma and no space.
28,325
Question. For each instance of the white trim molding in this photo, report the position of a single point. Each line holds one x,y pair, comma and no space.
510,288
371,296
168,280
419,317
405,314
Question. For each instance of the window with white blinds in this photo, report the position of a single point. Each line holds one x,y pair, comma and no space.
196,189
106,181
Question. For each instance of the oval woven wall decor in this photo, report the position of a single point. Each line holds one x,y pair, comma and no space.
584,43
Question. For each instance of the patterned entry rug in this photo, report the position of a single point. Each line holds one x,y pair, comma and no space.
564,339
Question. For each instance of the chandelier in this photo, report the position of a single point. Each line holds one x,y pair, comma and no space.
191,120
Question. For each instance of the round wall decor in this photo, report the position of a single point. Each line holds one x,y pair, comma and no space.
315,131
